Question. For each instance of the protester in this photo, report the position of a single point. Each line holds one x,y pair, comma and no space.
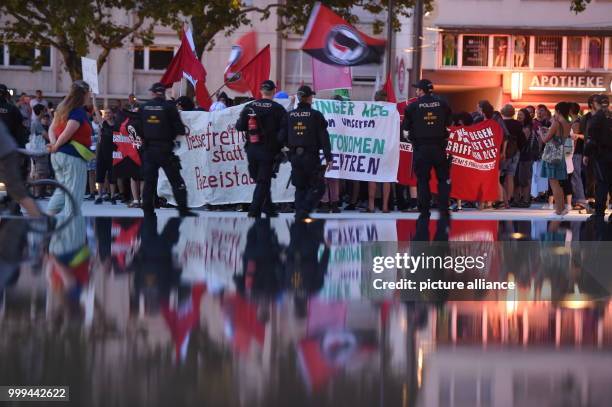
590,181
527,155
26,110
510,152
185,104
599,149
70,138
554,164
579,198
95,119
104,159
221,102
133,103
461,119
39,137
380,96
37,100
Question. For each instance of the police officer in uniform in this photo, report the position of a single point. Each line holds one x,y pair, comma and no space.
598,148
161,123
11,116
426,120
305,133
261,120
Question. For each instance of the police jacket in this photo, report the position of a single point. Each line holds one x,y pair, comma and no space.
599,138
161,123
306,127
269,115
11,116
426,120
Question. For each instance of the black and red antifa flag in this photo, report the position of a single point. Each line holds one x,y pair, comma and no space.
332,40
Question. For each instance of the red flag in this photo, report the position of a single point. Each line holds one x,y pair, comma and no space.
186,65
242,52
256,71
388,88
330,39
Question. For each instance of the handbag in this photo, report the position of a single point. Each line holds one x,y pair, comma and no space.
553,152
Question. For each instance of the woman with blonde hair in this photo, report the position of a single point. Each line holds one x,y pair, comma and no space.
70,139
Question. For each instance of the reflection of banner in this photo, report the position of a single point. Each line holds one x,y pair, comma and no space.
475,167
364,137
343,279
214,162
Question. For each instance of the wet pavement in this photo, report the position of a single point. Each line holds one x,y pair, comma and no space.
228,311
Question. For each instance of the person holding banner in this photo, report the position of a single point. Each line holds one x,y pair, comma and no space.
304,131
427,120
261,120
161,123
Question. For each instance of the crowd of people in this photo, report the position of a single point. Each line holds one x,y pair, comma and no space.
543,157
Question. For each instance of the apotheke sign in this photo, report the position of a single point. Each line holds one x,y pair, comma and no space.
553,83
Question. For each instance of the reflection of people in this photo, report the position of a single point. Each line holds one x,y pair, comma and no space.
595,53
449,50
520,48
501,49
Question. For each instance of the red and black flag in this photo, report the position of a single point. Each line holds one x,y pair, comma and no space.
330,39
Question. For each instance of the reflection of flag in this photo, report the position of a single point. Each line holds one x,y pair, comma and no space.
185,64
242,52
325,76
256,71
330,39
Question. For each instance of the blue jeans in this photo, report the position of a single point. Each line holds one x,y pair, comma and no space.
71,172
577,186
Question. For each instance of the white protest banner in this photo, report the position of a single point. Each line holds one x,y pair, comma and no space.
90,74
364,137
215,166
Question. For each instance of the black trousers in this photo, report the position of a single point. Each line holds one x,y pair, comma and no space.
153,160
427,157
261,164
602,168
307,177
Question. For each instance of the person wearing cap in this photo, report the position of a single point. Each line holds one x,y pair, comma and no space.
12,118
161,124
69,143
261,120
426,120
304,132
598,148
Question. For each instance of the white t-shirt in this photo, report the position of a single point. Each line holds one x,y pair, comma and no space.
217,106
34,102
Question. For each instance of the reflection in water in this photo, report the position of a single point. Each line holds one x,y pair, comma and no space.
236,312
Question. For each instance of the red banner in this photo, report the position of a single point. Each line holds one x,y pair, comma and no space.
474,171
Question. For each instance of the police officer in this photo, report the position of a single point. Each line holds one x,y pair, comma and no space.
161,123
426,120
261,120
11,116
598,148
305,133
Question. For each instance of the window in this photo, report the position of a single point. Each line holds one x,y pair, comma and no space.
574,52
596,52
449,50
1,54
21,55
139,58
475,50
500,51
160,57
548,52
520,54
45,56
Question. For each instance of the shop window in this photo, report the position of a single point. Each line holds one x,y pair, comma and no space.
475,50
21,55
449,50
574,52
160,57
500,51
139,58
596,52
520,53
45,56
548,52
1,54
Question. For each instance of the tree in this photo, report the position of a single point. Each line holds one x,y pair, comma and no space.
72,26
579,6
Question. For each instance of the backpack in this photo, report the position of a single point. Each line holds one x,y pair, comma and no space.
531,150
